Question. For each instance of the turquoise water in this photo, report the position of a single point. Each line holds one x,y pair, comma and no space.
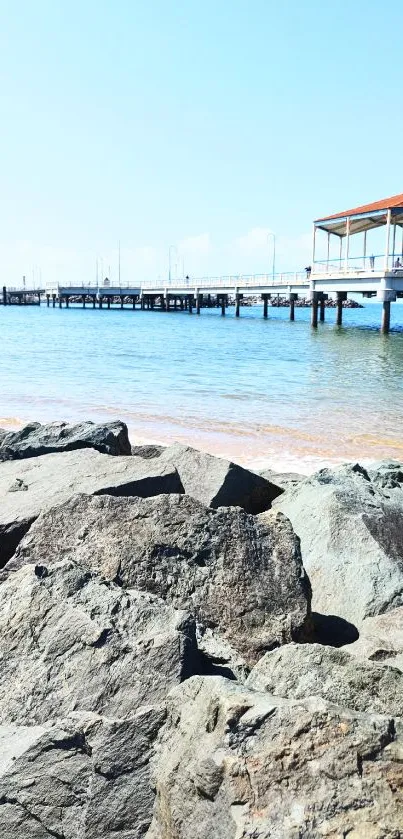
262,392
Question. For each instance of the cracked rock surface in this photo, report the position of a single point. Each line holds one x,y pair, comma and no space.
232,762
239,574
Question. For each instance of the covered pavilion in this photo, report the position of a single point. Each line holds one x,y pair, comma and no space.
387,213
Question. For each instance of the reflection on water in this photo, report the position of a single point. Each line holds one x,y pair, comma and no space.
262,392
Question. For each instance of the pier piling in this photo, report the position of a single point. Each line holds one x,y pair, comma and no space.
265,304
314,310
48,300
341,295
292,298
385,325
322,309
4,296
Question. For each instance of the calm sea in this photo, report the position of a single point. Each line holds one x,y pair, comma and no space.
265,393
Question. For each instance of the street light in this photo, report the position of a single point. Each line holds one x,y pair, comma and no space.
171,248
274,251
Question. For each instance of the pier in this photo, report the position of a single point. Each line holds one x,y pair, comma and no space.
379,276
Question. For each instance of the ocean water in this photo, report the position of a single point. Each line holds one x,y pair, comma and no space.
262,392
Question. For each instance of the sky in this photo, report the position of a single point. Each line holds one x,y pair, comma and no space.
189,130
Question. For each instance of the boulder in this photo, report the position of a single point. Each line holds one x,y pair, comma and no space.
381,639
298,671
36,439
232,762
218,482
84,777
36,484
283,480
72,641
149,451
238,574
350,523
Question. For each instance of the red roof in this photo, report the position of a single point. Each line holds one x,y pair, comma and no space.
386,204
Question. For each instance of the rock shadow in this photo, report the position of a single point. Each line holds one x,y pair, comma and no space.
333,631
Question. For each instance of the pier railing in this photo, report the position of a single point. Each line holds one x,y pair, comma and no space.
231,280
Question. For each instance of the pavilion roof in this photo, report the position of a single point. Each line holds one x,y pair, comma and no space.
364,217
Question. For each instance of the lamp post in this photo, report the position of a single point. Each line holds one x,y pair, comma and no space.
274,251
171,248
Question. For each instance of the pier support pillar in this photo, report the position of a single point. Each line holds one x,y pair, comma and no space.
223,301
83,301
209,301
167,303
314,310
4,296
39,298
293,298
48,300
341,295
108,302
181,304
67,301
190,304
238,298
53,301
152,301
322,308
93,301
60,302
199,298
100,302
385,323
133,302
265,304
121,302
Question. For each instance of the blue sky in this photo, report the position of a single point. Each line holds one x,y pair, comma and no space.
201,125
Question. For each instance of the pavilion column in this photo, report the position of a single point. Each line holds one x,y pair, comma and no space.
341,252
328,250
347,244
365,247
394,243
387,245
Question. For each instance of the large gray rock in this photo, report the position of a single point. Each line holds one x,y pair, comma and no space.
237,573
70,641
85,777
36,439
283,480
381,639
218,482
350,523
148,451
298,671
232,762
30,486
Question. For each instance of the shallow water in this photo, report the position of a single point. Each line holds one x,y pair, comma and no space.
262,392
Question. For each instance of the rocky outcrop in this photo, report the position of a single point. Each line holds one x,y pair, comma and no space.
84,777
218,482
298,671
381,639
71,641
234,762
35,439
238,574
350,523
28,487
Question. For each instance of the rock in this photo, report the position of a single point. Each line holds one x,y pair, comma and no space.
238,574
148,451
36,439
71,641
381,639
351,529
85,777
220,483
232,762
298,671
3,434
283,480
53,478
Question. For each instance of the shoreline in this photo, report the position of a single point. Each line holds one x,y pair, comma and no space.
291,451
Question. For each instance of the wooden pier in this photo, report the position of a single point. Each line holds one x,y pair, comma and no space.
379,276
